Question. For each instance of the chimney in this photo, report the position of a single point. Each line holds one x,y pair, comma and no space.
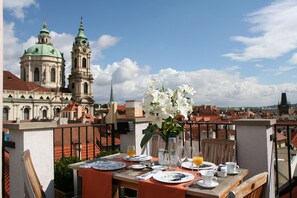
133,108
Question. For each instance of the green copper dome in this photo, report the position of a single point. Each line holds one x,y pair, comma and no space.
43,50
44,47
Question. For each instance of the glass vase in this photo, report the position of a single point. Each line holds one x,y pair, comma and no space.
163,156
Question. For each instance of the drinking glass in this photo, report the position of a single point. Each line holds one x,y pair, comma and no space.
131,150
197,158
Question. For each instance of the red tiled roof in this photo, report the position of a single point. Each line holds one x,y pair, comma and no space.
12,82
121,107
88,116
71,107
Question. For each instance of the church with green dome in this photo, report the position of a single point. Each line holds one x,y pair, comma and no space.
40,92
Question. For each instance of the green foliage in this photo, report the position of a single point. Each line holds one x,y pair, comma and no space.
169,129
63,174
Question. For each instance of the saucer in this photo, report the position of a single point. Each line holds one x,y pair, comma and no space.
233,173
137,166
213,184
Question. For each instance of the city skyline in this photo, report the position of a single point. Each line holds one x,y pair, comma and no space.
233,53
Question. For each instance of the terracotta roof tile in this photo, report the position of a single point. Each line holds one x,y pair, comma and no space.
12,82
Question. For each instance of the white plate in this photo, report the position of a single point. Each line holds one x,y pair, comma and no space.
159,167
173,177
189,165
213,184
234,173
108,165
138,158
138,166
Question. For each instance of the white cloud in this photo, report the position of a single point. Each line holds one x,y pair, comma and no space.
276,28
293,59
282,69
17,7
258,66
104,42
217,87
11,48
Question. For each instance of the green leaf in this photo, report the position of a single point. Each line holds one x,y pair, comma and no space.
147,138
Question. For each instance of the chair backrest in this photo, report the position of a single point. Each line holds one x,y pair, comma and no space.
218,151
31,180
251,188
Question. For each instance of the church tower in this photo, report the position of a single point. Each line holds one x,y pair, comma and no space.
283,107
81,78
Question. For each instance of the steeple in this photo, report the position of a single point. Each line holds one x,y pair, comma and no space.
111,94
81,79
284,99
283,107
81,37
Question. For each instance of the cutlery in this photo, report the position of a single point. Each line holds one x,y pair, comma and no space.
147,175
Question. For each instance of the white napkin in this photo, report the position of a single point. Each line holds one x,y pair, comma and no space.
148,174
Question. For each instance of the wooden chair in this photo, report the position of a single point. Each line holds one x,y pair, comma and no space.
218,151
251,188
32,183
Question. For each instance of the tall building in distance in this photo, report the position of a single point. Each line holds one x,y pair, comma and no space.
283,106
81,79
40,91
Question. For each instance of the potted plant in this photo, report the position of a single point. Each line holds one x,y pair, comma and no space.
64,177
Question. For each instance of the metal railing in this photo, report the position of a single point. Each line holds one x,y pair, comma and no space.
84,141
195,131
87,141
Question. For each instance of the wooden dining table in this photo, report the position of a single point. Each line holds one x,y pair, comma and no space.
127,178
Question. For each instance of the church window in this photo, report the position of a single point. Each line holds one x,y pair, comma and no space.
85,88
10,96
36,74
57,110
75,62
53,75
22,96
26,113
72,85
84,62
41,98
30,97
5,113
47,98
44,113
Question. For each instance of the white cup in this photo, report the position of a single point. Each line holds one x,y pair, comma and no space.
231,167
208,178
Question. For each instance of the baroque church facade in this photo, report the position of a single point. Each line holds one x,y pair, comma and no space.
40,91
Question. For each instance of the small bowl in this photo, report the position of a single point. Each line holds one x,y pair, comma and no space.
138,166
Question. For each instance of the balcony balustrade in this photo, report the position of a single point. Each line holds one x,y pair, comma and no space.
87,141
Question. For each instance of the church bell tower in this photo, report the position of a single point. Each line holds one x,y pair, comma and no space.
81,79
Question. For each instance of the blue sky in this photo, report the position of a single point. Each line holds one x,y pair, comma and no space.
234,53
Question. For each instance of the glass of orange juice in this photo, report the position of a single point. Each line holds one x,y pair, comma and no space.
131,150
197,158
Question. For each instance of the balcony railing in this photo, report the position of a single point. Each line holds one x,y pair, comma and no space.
87,141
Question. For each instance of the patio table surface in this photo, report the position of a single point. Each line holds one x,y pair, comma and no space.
127,178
